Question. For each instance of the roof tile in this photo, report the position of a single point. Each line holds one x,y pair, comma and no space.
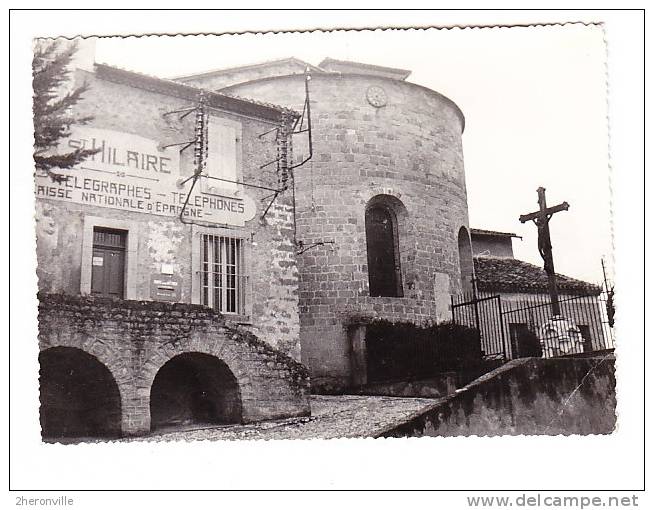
512,275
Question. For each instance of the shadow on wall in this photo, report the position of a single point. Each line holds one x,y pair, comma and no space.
526,396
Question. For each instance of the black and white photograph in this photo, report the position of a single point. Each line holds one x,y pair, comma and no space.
368,233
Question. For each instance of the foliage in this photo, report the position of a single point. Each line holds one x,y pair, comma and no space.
52,108
402,350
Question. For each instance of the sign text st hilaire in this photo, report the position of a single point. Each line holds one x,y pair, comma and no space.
132,173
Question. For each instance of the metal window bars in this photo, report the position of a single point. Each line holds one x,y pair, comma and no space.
222,276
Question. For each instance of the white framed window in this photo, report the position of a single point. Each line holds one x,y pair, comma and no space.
223,279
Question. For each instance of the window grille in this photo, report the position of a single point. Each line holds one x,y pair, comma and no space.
109,237
222,274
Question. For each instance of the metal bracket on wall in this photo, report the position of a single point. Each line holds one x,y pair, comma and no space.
284,149
300,248
184,113
200,142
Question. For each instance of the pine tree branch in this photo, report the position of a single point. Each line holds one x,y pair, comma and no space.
63,161
52,110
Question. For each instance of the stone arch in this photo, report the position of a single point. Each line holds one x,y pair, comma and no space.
465,260
236,358
385,220
194,387
134,347
79,395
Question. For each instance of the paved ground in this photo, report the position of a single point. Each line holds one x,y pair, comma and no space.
332,417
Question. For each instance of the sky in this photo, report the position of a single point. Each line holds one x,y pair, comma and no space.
534,101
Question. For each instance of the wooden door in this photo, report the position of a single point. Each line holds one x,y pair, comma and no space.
108,264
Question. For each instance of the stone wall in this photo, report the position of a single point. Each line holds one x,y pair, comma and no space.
134,340
527,396
493,246
408,152
272,286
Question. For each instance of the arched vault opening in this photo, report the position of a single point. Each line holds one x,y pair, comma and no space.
194,388
79,396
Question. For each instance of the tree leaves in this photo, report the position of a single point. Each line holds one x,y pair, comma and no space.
53,107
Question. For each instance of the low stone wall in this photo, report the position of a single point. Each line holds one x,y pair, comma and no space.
526,396
433,387
134,339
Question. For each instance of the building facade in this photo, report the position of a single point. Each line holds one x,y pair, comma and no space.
524,324
180,292
381,206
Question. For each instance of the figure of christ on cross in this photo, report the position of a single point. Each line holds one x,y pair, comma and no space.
542,219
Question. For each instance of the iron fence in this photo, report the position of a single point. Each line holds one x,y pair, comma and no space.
533,330
485,315
519,325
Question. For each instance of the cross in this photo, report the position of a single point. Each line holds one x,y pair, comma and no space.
542,219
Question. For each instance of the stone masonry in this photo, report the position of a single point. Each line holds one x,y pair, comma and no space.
407,153
135,104
133,340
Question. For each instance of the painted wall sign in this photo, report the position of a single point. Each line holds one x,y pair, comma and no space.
165,287
133,174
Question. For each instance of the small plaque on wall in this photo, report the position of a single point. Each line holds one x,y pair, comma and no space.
164,287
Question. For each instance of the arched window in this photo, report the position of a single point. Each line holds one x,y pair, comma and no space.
465,260
383,251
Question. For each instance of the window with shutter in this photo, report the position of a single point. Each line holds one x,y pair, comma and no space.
222,157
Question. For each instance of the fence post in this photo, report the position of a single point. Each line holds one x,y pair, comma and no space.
476,303
499,306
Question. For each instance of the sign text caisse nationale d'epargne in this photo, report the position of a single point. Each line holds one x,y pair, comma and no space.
131,173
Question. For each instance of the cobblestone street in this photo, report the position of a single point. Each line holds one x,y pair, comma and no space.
332,417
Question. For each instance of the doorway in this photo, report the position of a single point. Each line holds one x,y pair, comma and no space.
108,263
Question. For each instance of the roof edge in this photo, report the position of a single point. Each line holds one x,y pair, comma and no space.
247,107
404,73
484,232
224,70
590,290
566,284
339,75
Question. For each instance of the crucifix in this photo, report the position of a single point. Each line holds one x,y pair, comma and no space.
541,219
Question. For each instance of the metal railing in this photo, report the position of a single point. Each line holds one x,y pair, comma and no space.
581,327
519,325
485,315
